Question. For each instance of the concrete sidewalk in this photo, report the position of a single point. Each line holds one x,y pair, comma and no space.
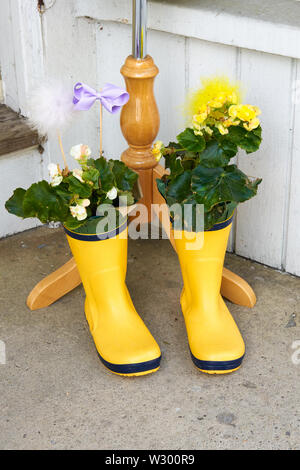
55,393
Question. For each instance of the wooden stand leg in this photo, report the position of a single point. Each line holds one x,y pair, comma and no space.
54,286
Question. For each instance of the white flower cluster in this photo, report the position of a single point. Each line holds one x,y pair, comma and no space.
55,174
81,153
112,194
77,173
79,211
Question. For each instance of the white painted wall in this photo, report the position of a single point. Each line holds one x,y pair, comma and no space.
14,171
257,42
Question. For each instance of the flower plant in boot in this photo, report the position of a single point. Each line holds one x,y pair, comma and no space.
86,200
203,179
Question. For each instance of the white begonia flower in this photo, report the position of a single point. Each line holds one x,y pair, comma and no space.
76,151
84,202
86,151
55,174
81,153
53,170
78,174
78,212
56,180
112,194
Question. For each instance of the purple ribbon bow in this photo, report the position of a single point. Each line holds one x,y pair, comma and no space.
111,97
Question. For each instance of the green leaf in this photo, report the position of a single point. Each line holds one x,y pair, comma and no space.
42,201
189,141
88,226
229,209
229,148
129,197
214,215
216,185
247,140
93,175
124,176
174,145
107,179
257,131
102,199
84,190
173,162
189,160
203,180
72,223
214,155
15,204
161,186
236,134
63,191
219,213
180,187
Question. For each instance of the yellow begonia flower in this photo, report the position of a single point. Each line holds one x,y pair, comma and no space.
197,131
208,130
199,125
232,98
252,124
227,123
215,92
233,111
204,109
217,115
230,122
217,104
157,150
222,129
218,101
244,112
200,118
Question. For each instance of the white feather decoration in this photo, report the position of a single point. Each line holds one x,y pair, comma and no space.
51,107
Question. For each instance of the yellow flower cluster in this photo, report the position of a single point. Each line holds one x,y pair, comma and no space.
217,104
246,113
157,150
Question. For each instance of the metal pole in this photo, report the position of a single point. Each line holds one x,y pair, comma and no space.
139,26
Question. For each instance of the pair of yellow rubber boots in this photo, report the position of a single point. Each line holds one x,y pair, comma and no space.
124,343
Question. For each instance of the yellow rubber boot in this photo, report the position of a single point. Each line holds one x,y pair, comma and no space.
216,344
124,343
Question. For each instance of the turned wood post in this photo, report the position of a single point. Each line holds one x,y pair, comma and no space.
140,117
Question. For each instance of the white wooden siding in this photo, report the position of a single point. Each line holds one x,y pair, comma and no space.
291,255
88,40
260,222
15,171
